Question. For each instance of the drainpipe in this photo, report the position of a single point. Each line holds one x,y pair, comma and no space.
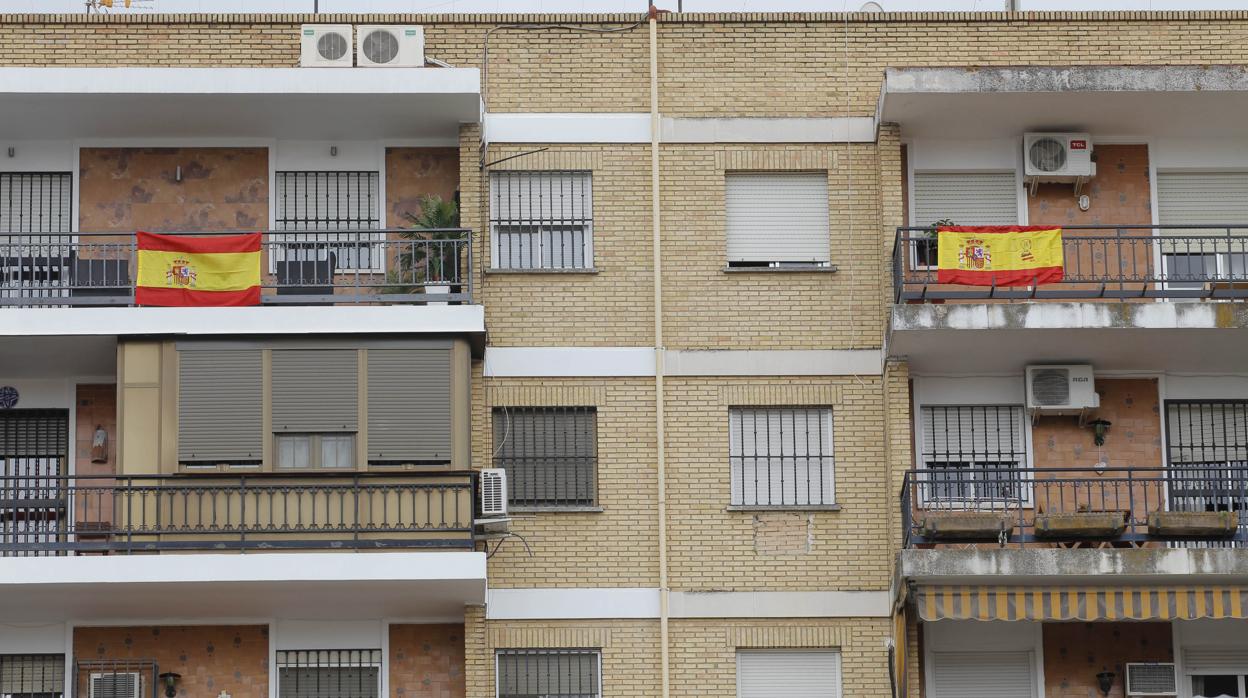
660,433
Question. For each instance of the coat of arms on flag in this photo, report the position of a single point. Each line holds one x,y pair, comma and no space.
181,270
999,255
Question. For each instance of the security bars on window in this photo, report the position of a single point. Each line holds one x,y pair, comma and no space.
34,445
335,202
541,220
36,207
329,673
781,456
548,673
32,675
549,453
973,453
1207,444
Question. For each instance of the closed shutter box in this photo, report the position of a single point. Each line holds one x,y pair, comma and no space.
777,217
1201,198
790,673
315,390
983,675
970,198
220,396
409,405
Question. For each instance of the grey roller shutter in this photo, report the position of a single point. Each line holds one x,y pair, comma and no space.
314,390
1201,198
220,398
1215,660
409,404
971,198
777,217
791,673
983,675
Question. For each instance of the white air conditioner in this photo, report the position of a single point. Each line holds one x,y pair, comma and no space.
391,46
1151,679
126,684
1057,157
1061,388
325,46
493,486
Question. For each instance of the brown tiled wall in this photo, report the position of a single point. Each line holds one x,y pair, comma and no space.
210,658
1134,439
96,407
1074,653
427,661
412,174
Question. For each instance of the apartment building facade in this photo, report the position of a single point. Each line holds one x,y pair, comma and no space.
688,307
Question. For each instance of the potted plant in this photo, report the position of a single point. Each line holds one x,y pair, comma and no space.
426,264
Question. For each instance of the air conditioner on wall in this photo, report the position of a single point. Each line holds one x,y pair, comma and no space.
325,46
1059,389
391,46
1058,156
1151,679
493,487
126,684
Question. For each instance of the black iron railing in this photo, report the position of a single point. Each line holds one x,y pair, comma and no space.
1008,505
305,267
90,514
1100,262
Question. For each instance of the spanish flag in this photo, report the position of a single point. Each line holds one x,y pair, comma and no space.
178,270
1004,255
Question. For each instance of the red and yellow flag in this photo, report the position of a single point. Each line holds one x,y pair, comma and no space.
178,270
999,255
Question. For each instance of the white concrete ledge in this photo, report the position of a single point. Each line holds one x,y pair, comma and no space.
567,604
815,362
567,128
851,129
606,362
550,604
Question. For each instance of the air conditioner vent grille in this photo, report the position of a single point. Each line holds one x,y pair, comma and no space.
1050,387
493,484
1047,154
1151,680
381,46
331,46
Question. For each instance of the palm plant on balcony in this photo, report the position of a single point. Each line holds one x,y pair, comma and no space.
426,260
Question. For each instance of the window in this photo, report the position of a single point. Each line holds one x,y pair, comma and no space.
402,429
996,674
315,407
788,673
545,673
1208,455
973,453
780,456
220,397
550,454
328,673
36,264
542,220
34,445
1217,671
327,451
32,675
777,219
338,203
966,198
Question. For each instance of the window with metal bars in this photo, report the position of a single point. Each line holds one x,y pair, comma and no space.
337,203
35,218
34,445
550,454
549,673
329,673
32,675
781,456
115,678
1207,454
541,220
973,452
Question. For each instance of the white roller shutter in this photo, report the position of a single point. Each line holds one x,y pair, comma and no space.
971,198
1201,198
788,674
777,217
983,675
1215,661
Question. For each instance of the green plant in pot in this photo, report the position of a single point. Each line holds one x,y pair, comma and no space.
431,267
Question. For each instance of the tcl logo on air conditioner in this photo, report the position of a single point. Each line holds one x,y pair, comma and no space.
1078,145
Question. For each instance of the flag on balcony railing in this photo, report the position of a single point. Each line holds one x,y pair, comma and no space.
1005,255
180,270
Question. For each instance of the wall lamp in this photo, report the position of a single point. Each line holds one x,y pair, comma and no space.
1105,681
1099,427
170,682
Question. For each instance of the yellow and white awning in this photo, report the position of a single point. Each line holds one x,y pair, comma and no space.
1065,603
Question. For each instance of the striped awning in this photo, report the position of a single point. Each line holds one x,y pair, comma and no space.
1060,603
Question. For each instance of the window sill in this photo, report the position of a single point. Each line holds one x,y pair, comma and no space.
556,510
804,269
586,270
815,507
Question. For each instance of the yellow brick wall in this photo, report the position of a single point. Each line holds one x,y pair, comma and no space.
713,548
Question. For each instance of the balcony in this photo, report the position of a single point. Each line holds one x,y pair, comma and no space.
1075,508
52,515
326,267
1196,262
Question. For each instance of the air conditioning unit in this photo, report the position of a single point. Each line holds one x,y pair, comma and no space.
1058,157
493,486
325,46
1151,679
128,684
1055,389
391,46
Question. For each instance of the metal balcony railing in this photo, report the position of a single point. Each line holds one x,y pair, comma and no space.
1101,262
103,514
1190,503
299,268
